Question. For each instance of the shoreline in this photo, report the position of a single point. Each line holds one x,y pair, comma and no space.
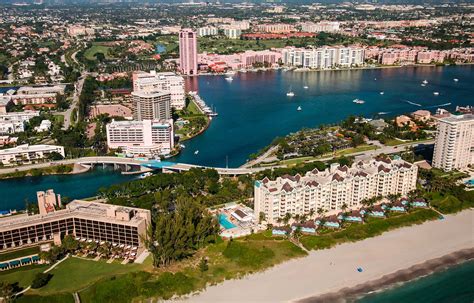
328,271
391,280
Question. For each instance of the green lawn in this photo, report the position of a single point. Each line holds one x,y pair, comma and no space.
393,142
448,204
75,274
57,298
357,232
22,275
354,150
19,253
59,118
95,49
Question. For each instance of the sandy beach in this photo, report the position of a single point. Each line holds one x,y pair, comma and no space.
327,271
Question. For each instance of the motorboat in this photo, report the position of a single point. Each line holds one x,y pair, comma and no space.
358,101
230,79
290,94
455,79
305,87
145,175
299,108
435,93
196,152
424,82
382,93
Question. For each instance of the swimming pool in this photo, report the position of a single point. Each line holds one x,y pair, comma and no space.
470,182
224,222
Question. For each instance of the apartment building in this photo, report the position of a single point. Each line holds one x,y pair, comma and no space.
324,57
161,82
454,143
275,28
232,33
148,137
188,52
151,105
28,153
90,221
207,31
323,26
332,188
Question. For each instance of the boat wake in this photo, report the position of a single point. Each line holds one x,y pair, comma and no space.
444,104
412,103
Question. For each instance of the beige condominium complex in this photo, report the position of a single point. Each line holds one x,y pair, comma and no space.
151,105
333,187
454,144
166,82
85,220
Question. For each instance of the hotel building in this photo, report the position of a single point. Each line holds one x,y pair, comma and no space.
151,105
28,153
188,52
454,143
161,82
332,188
324,57
148,137
85,220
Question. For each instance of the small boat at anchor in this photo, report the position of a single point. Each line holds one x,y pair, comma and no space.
299,108
358,101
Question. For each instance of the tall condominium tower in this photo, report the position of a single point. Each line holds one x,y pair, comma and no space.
188,52
151,106
454,145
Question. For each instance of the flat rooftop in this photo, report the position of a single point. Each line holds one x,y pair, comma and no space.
458,118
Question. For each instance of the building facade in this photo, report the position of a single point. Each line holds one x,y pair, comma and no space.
324,57
85,220
207,31
161,82
148,137
151,105
188,52
454,143
332,188
28,153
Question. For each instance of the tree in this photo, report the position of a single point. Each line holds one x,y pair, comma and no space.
261,217
40,280
70,244
203,266
6,291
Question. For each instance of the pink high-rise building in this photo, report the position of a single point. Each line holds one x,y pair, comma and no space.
188,52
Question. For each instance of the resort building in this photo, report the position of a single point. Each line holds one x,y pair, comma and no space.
142,138
151,105
90,221
332,188
324,57
454,143
161,82
188,52
28,153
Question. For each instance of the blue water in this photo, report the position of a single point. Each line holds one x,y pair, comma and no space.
470,182
160,49
5,89
254,109
225,222
16,192
453,285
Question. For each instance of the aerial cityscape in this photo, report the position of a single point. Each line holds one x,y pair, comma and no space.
236,151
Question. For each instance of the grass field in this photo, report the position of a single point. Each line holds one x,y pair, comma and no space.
95,49
59,118
19,253
22,275
354,150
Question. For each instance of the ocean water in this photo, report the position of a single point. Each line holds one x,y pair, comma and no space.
254,109
455,284
14,193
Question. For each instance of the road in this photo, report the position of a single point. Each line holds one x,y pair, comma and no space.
260,158
75,101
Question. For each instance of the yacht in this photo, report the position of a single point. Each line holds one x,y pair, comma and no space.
305,87
229,79
455,79
358,101
299,108
436,93
196,152
290,94
425,82
145,175
382,93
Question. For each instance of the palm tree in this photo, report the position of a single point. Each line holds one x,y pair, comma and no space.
311,213
287,218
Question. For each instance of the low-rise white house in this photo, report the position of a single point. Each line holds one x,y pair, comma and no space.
28,153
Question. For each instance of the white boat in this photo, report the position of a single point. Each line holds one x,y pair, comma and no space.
290,94
230,79
299,108
382,93
358,101
375,79
422,84
425,82
455,79
231,72
196,152
436,93
145,175
182,146
305,87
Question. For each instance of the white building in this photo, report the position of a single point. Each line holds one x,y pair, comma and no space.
164,82
324,57
151,105
44,126
332,188
232,33
207,31
148,137
28,153
324,26
454,144
14,122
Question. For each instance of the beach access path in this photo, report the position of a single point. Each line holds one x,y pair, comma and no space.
330,270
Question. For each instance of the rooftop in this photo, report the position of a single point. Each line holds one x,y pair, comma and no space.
458,118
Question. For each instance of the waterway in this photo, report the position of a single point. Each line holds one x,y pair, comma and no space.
254,109
15,193
455,284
